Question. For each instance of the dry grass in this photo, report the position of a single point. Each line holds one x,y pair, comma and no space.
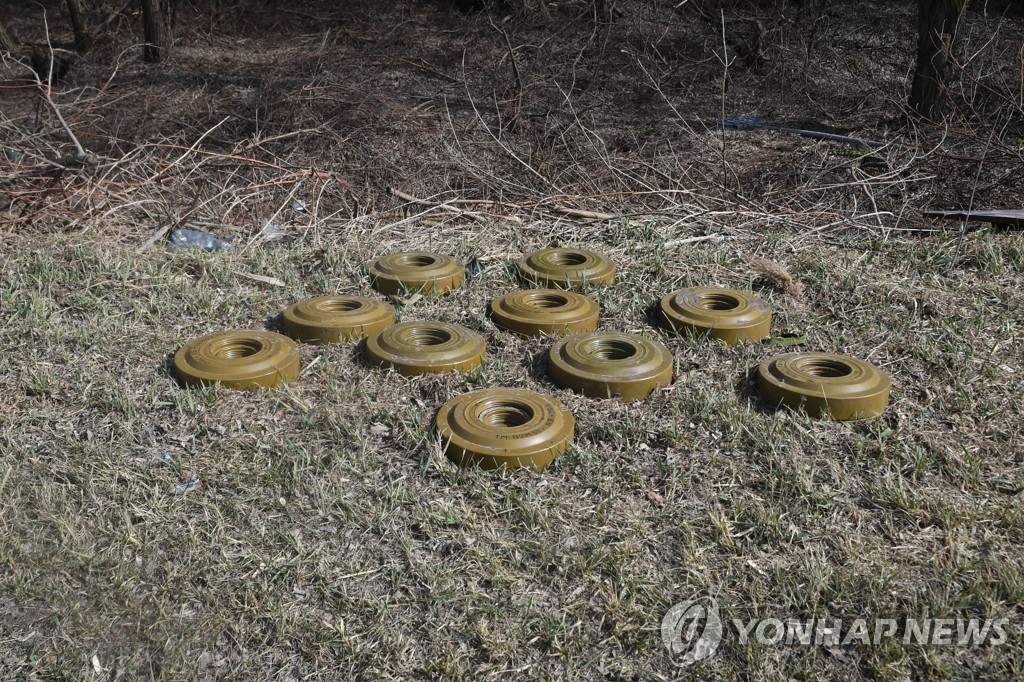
317,531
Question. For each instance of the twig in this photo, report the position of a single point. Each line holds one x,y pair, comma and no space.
188,151
725,86
578,213
272,281
156,236
515,72
404,221
694,240
422,64
487,128
81,155
116,14
443,206
970,203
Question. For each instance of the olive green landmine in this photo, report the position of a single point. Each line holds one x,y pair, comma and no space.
558,268
610,365
416,272
419,347
729,315
334,318
238,359
534,312
824,385
505,428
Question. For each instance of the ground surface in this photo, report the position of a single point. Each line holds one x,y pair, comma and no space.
317,532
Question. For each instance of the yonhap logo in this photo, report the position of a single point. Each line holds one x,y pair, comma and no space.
691,632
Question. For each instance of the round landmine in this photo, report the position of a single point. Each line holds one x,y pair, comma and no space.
416,272
727,314
824,385
504,427
244,360
426,348
543,311
610,364
332,319
566,268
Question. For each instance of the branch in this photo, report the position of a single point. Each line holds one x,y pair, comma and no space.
81,155
443,206
578,213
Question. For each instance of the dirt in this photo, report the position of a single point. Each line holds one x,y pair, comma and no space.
426,97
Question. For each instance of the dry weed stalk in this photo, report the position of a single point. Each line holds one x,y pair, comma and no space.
779,277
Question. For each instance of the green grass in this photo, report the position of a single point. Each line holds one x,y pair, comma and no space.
327,532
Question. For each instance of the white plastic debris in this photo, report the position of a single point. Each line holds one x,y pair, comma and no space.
197,239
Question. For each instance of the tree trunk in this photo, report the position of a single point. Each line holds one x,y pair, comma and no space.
936,31
158,18
83,40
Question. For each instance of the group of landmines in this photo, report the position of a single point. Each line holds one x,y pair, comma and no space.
504,427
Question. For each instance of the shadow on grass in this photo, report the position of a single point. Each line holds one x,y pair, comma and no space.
274,322
166,368
746,388
536,366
